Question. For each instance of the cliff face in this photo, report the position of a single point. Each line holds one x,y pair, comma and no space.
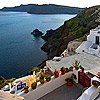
74,28
43,9
53,9
21,8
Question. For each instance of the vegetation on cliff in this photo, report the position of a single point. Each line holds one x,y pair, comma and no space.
5,82
77,27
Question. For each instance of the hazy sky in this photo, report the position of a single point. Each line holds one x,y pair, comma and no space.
76,3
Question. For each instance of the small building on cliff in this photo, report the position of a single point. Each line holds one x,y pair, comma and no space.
72,46
92,45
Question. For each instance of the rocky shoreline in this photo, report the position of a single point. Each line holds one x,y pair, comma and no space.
36,33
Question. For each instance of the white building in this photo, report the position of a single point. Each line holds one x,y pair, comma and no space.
92,45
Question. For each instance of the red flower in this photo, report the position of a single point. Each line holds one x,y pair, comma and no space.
98,74
63,69
42,70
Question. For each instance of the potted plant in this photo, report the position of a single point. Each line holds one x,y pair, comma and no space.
98,74
56,73
76,65
69,81
26,89
62,70
42,70
48,77
34,85
71,68
95,83
42,78
67,70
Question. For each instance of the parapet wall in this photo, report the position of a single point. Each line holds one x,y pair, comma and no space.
47,87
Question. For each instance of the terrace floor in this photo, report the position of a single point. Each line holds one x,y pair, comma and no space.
64,93
88,61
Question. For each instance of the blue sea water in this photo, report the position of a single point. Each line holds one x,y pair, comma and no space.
18,52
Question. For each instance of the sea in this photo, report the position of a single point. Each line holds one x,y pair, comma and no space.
18,52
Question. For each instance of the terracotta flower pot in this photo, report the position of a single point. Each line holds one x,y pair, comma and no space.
95,86
42,81
47,80
62,72
69,83
76,68
56,76
33,87
26,90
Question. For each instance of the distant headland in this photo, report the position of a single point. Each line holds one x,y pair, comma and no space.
43,9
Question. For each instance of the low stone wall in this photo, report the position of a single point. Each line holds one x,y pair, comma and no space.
47,87
9,96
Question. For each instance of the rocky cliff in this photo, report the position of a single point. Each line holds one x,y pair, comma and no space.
53,9
21,8
43,9
77,27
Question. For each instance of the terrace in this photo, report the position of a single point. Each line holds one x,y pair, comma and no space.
91,63
57,88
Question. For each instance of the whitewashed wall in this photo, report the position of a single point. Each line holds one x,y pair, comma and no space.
92,36
95,94
76,73
47,87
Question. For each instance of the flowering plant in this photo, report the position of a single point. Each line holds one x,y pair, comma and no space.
33,85
63,69
67,70
94,82
56,73
48,77
68,80
71,68
41,76
76,64
26,87
42,70
98,74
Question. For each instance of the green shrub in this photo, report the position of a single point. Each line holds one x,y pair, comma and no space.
36,69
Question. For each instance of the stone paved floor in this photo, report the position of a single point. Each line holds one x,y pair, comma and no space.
64,93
